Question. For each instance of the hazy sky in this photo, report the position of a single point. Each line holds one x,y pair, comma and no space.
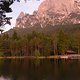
17,7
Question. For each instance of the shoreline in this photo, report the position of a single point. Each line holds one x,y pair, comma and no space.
71,56
30,57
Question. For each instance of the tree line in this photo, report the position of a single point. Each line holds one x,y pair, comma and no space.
39,44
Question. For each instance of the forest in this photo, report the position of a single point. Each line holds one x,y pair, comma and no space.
55,42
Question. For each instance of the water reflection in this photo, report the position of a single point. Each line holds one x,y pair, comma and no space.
37,62
4,78
46,69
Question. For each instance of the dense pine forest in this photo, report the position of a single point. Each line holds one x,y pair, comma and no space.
53,41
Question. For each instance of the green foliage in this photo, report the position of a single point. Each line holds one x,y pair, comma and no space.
47,46
62,42
37,53
1,54
5,36
58,41
15,35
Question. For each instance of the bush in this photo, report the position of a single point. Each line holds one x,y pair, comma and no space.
1,54
36,53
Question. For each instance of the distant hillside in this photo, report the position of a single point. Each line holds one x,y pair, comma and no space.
49,29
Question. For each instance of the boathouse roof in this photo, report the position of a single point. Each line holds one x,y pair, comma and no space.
71,52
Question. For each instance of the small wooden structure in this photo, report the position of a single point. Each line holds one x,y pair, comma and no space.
70,52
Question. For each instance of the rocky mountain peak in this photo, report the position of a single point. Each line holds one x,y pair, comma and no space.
21,15
57,6
51,12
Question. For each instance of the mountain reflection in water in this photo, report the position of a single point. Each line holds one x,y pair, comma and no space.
46,69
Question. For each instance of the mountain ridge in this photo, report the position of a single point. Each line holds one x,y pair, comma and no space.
51,12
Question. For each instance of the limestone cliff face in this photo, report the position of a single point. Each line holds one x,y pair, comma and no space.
56,6
51,12
26,20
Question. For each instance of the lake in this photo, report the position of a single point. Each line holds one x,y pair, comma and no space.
45,69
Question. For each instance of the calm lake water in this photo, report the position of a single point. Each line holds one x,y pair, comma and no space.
46,69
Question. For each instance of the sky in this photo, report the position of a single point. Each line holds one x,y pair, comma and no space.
28,7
